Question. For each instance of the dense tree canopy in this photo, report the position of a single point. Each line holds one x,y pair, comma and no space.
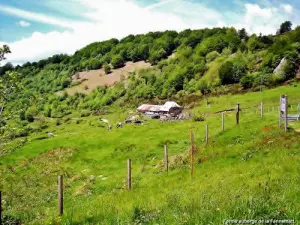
183,63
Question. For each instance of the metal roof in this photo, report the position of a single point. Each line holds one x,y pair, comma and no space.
145,107
168,105
156,108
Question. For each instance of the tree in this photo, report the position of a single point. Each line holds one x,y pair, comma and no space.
285,27
231,72
247,81
94,64
4,50
117,61
212,56
8,81
107,68
243,34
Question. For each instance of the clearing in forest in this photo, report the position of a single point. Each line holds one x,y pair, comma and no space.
91,79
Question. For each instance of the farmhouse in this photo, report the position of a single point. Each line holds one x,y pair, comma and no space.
169,107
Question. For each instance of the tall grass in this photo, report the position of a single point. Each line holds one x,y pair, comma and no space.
250,171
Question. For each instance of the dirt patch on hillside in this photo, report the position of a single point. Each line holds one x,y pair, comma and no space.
94,78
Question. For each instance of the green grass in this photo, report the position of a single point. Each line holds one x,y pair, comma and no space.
250,171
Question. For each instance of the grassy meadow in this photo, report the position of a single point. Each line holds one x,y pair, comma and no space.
250,171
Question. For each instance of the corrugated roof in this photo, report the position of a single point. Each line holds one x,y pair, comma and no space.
156,108
144,107
168,105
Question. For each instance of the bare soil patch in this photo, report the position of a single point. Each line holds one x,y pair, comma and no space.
94,78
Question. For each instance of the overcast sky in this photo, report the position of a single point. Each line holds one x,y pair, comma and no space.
38,29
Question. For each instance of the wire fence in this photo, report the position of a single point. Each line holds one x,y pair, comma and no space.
227,119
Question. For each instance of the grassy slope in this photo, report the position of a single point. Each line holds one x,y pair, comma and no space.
251,171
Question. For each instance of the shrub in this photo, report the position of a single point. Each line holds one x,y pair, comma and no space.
57,122
212,56
231,72
107,68
226,52
85,113
76,83
198,118
94,64
30,113
117,61
247,81
22,115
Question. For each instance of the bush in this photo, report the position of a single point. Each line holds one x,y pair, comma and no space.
30,113
107,68
85,113
117,61
231,72
198,118
57,122
94,64
156,56
22,116
212,56
247,81
66,82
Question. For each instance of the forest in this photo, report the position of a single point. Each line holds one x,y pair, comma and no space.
218,167
188,63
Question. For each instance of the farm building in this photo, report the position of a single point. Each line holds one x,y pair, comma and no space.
169,107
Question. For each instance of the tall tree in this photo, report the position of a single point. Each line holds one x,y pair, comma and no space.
243,34
8,81
4,50
285,27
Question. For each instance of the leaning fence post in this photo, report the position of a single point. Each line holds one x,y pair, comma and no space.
223,125
261,110
129,174
237,117
60,196
166,158
192,152
206,134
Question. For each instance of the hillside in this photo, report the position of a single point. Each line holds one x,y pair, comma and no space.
51,123
202,61
91,79
250,171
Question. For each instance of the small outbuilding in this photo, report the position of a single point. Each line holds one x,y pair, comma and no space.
172,108
169,107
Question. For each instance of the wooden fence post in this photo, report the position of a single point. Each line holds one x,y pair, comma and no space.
166,158
129,174
261,110
60,196
0,208
237,117
223,121
286,114
206,134
192,152
279,110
